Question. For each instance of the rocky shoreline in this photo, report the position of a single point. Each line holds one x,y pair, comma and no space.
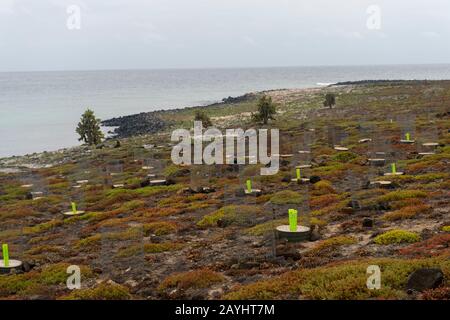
137,124
152,122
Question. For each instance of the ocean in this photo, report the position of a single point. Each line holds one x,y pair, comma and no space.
40,110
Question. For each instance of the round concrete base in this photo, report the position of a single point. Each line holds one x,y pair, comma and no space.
254,192
394,174
82,181
430,144
117,186
71,213
339,148
381,184
426,153
302,180
13,264
303,166
304,151
147,168
158,182
301,234
408,141
365,140
26,186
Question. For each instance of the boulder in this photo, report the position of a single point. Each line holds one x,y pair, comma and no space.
367,223
314,179
315,235
425,279
354,205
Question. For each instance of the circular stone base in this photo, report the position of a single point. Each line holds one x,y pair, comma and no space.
254,192
302,180
147,168
303,166
117,186
71,213
301,234
365,140
158,182
304,151
26,186
13,264
394,174
381,183
430,144
408,141
339,148
426,153
82,181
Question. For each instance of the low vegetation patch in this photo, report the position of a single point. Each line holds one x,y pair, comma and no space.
286,197
346,281
241,215
407,212
332,243
396,237
103,291
196,279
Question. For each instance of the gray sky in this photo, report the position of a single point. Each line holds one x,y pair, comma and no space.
120,34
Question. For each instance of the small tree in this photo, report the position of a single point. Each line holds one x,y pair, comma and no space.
89,128
266,110
203,117
330,100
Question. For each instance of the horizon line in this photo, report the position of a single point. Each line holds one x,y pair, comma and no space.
230,68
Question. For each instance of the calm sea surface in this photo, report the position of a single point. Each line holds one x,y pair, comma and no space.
40,110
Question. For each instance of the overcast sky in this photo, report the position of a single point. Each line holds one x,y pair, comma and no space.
121,34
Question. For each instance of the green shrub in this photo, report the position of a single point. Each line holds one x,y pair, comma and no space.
286,197
344,156
241,215
103,291
197,279
397,237
401,195
339,281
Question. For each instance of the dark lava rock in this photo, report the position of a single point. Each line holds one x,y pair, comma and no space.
315,235
145,183
28,196
137,124
314,179
367,223
288,252
354,205
223,223
117,145
170,181
27,266
424,279
243,98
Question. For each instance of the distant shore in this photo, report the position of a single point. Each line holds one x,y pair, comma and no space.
152,122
